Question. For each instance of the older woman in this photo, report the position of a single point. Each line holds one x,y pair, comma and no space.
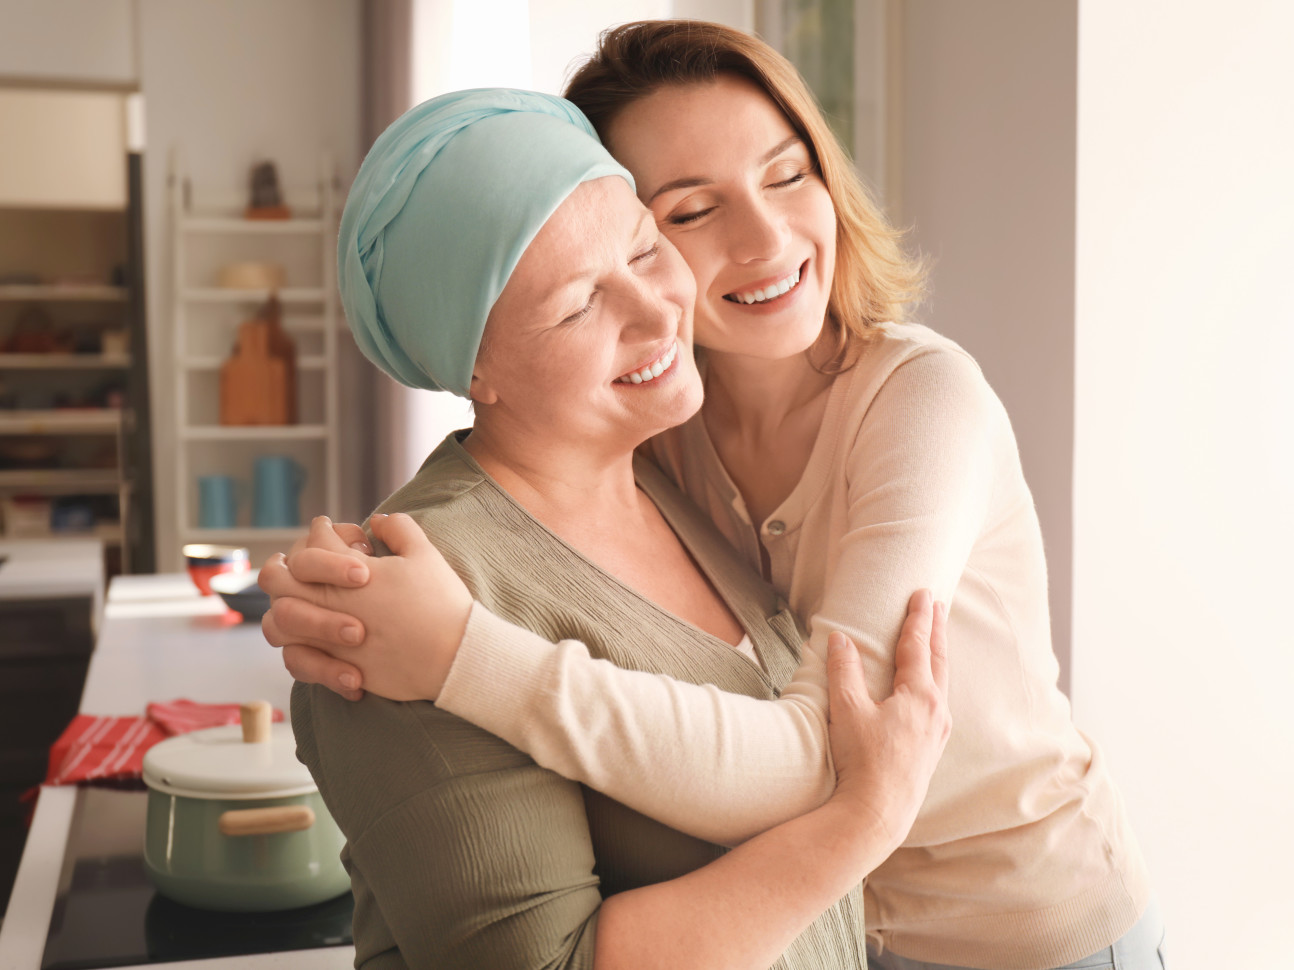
491,246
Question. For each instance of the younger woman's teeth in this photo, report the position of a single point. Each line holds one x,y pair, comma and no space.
652,370
768,292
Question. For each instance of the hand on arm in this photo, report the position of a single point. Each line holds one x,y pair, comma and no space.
765,892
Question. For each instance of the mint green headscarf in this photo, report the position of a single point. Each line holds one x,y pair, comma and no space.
447,200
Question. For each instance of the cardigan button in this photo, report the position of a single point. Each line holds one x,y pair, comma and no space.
776,527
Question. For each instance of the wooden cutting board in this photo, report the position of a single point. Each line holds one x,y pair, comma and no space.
258,382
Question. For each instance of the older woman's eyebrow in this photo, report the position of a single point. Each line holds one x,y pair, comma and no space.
558,291
692,182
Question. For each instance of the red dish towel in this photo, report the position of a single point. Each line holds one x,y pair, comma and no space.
95,748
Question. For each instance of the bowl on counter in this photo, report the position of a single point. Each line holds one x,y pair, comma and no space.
206,561
241,593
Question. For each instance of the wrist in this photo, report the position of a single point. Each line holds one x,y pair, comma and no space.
858,832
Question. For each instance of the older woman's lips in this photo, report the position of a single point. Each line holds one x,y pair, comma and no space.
650,372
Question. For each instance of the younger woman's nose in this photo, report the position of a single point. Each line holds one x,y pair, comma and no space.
757,232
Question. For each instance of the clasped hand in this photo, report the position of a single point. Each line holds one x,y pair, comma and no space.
393,624
328,594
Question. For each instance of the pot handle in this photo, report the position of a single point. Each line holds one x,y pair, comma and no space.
266,821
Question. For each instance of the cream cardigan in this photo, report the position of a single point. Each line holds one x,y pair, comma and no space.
1022,856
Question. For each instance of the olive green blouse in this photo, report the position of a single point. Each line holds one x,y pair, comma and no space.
463,852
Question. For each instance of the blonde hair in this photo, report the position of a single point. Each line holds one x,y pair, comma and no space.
875,280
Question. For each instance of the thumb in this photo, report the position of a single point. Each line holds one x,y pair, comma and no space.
845,684
401,534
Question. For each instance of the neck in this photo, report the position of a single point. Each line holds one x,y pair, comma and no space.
754,397
567,488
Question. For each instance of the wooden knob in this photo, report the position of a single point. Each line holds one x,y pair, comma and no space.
256,718
266,821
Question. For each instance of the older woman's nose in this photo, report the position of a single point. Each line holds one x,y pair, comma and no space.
757,231
652,311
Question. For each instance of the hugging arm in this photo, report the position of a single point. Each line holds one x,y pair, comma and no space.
713,764
474,856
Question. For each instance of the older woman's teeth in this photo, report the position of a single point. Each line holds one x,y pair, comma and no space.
768,292
651,371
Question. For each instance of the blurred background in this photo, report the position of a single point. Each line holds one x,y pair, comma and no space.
1104,188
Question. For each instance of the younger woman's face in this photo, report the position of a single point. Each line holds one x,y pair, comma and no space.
590,343
734,188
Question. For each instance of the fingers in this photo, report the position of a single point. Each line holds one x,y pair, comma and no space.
296,620
939,648
312,666
402,535
316,565
846,687
323,536
354,537
277,580
912,665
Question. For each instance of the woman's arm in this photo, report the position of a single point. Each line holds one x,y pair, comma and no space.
716,765
475,857
721,766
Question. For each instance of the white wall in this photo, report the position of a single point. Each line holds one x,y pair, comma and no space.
1184,460
65,40
986,153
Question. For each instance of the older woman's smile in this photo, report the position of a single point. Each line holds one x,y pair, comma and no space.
652,369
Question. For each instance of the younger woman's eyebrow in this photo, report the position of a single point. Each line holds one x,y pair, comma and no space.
692,182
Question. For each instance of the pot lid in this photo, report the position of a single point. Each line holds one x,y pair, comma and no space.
218,763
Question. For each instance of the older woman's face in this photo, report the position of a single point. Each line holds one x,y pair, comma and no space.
591,339
734,188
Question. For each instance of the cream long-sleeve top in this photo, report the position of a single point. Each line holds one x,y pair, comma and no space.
1022,855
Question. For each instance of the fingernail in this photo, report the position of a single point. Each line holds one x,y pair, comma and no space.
356,574
941,611
361,546
350,634
835,642
349,681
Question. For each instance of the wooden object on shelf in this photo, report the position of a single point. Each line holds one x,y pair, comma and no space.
258,383
267,200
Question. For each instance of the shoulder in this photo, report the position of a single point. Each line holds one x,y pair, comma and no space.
371,755
910,372
443,487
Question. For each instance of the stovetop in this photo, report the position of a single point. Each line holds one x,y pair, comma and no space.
107,913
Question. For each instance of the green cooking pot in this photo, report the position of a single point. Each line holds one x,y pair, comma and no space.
236,823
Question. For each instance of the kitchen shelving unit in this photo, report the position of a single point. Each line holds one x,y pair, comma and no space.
67,306
206,235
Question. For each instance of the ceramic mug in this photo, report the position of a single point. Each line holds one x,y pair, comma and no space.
218,501
277,482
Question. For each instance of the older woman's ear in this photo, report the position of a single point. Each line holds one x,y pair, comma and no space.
480,390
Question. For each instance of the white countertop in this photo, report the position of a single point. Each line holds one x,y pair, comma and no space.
159,640
52,568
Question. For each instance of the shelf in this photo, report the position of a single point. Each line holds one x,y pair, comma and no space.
226,537
67,481
63,421
304,362
265,227
66,294
281,432
64,361
310,294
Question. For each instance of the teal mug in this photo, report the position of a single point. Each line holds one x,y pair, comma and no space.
277,482
218,497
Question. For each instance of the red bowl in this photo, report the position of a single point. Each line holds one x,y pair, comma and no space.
205,561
